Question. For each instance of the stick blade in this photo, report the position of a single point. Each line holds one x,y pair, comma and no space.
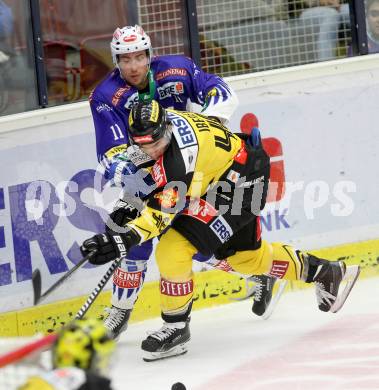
37,285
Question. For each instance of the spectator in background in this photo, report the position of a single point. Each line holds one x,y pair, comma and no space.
327,15
372,17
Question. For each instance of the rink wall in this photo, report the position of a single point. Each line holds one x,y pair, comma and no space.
319,126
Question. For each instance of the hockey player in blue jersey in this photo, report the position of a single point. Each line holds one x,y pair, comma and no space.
176,82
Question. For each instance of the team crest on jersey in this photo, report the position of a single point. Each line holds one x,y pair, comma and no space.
167,198
158,173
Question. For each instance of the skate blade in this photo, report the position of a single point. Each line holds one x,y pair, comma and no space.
250,291
275,299
178,350
350,277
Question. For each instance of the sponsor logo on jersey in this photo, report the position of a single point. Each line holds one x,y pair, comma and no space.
279,268
176,289
169,89
137,156
233,176
158,173
251,182
222,229
184,134
171,72
131,101
201,210
103,107
124,279
167,198
118,95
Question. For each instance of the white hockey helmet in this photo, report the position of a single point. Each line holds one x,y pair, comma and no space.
130,39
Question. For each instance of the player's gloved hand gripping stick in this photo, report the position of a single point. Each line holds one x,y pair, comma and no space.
98,250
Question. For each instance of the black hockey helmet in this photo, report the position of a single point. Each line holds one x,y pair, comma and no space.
147,122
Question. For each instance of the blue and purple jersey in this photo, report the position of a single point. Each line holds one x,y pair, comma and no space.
178,81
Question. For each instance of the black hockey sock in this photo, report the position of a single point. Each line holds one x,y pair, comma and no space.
177,317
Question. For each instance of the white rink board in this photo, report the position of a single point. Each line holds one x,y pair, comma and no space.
325,124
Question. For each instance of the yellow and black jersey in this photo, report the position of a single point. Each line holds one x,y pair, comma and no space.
201,153
200,145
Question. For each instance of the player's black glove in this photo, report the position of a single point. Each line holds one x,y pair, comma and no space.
109,246
122,213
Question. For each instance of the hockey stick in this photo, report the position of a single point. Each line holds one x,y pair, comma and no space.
37,284
19,353
91,299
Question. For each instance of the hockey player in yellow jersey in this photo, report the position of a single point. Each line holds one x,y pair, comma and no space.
207,195
81,357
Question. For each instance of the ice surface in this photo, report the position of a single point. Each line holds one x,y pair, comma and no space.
299,347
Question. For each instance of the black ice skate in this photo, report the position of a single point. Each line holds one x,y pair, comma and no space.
117,320
168,341
264,301
328,279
